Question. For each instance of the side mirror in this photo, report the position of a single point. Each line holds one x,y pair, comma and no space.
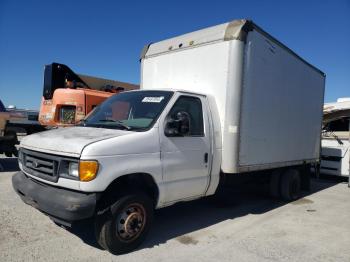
180,126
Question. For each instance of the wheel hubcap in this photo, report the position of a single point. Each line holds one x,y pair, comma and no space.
131,222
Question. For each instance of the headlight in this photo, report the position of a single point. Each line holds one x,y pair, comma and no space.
73,169
87,170
83,170
69,169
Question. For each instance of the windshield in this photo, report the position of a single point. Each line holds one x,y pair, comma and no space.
130,110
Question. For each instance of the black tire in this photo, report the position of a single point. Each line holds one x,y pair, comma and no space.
125,225
290,185
275,180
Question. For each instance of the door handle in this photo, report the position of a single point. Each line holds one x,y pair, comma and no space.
206,158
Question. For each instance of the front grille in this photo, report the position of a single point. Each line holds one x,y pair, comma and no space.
41,165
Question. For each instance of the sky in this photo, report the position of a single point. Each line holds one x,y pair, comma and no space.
105,38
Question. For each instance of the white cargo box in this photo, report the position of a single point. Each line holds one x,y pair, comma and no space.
269,99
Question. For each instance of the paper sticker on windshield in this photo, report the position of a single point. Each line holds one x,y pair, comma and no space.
152,99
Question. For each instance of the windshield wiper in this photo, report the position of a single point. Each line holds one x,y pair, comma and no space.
118,122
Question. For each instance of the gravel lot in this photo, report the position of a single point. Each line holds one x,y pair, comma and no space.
254,228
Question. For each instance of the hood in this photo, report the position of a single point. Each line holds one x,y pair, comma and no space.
69,140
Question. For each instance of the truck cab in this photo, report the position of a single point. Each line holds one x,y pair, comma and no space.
162,143
160,133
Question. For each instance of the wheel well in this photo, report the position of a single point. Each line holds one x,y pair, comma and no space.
139,182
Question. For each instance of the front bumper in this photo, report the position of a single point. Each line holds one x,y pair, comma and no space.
60,204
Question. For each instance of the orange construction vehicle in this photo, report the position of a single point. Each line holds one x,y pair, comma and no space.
69,97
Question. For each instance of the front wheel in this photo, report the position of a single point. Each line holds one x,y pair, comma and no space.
126,223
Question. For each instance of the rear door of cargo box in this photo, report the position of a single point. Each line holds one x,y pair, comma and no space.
281,110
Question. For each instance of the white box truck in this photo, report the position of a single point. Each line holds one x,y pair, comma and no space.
215,104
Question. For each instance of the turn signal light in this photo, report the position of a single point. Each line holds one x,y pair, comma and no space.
87,170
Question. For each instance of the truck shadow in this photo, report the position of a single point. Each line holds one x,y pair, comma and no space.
9,164
177,221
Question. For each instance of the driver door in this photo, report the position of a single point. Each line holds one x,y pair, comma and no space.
186,159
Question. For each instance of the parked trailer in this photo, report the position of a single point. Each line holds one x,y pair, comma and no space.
218,103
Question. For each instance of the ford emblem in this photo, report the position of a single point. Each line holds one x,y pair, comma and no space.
35,164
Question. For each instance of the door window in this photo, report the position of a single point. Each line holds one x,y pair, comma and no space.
193,107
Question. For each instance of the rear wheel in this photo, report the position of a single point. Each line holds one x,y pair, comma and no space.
126,223
290,185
